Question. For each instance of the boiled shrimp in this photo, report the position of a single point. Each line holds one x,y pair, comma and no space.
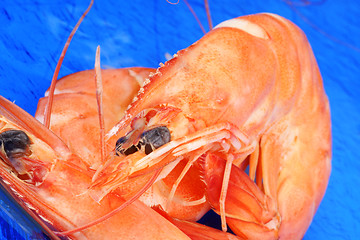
249,93
51,181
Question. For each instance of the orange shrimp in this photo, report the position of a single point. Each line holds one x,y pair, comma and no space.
51,181
75,121
74,117
50,178
249,93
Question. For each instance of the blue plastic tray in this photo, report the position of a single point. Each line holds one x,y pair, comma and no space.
140,33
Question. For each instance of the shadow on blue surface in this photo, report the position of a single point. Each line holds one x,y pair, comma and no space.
16,223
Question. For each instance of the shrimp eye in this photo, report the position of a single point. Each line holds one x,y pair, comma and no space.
125,151
155,138
149,141
120,142
16,146
15,143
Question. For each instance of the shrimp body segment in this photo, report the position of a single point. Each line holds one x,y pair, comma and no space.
51,183
74,116
249,93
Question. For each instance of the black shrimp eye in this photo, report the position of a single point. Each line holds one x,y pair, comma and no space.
155,138
125,151
130,150
148,148
149,141
15,143
119,144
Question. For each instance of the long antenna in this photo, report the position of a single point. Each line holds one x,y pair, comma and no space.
47,114
208,14
195,16
116,210
99,100
318,29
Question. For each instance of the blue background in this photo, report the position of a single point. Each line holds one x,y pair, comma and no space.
140,33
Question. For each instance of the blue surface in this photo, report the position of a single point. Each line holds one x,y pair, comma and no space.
139,33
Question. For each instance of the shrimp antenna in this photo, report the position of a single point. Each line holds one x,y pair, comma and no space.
208,14
318,29
48,108
195,16
99,99
116,210
173,3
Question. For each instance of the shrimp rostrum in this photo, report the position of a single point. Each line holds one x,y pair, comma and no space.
248,94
